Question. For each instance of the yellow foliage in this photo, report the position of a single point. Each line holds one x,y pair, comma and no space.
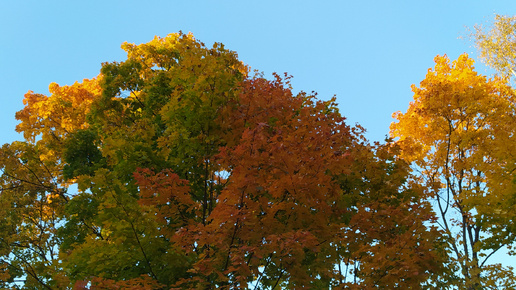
460,132
497,44
61,113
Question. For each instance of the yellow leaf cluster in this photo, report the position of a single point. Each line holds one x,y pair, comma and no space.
61,113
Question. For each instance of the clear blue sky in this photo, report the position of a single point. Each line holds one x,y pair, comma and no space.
367,53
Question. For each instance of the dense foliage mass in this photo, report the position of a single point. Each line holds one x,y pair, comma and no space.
177,169
460,135
192,174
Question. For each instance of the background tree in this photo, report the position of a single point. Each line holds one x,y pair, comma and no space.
497,44
497,47
459,133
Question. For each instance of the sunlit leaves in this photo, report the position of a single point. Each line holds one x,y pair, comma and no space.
459,132
497,44
61,113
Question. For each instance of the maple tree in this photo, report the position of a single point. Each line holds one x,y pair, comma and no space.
192,174
459,133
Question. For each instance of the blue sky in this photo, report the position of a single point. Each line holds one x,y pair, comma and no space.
367,53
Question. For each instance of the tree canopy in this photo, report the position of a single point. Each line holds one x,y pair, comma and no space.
459,134
178,169
497,44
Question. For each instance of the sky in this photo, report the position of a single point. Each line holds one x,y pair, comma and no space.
367,53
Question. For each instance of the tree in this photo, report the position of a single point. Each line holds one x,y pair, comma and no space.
33,189
459,133
497,45
303,195
193,174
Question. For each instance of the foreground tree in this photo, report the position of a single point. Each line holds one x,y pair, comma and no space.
460,135
191,174
304,202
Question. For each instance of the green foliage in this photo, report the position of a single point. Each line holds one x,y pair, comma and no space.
81,154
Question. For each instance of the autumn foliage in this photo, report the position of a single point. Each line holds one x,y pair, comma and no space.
178,169
459,132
